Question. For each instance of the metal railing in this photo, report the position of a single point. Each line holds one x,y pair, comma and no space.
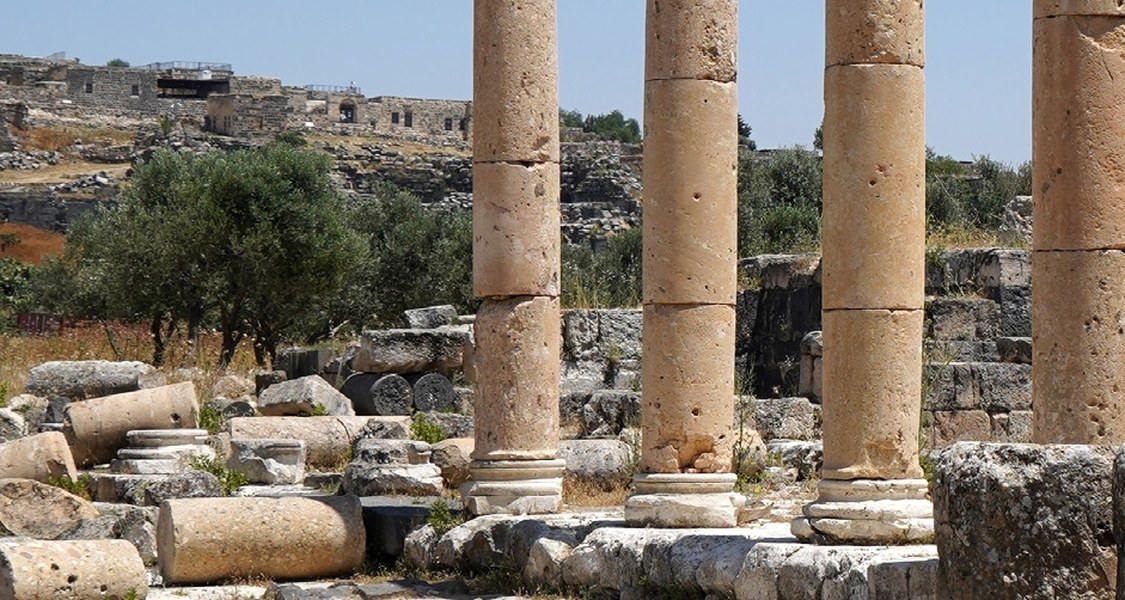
187,66
335,89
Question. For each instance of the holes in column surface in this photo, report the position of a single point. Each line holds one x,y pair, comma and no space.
1058,171
71,578
104,588
695,412
697,196
54,567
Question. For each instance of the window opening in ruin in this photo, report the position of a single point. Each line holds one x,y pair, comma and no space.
461,125
449,124
408,121
347,112
136,91
89,87
394,118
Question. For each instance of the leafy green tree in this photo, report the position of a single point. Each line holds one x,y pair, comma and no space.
744,132
246,241
119,63
418,257
570,118
779,202
613,126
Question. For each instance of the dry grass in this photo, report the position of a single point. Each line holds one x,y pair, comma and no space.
34,244
582,493
962,236
62,172
54,139
91,342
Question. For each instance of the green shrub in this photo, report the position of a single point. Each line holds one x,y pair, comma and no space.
210,418
442,518
607,279
425,430
80,488
229,480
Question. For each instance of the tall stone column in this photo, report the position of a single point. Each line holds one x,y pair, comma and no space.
515,466
1078,263
690,235
873,240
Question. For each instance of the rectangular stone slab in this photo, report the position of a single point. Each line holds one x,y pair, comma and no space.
515,81
516,229
691,196
874,214
1079,142
1078,347
687,413
872,394
691,39
874,31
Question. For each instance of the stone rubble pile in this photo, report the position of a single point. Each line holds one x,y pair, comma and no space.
27,161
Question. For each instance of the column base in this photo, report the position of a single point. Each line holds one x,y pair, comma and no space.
684,500
866,512
514,487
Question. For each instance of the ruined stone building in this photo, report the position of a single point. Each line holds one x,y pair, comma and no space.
222,102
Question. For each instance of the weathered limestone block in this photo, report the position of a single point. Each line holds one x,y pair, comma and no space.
389,452
1014,349
786,418
39,457
962,318
874,184
871,413
151,490
608,412
12,425
410,350
698,39
41,511
516,229
811,383
326,438
206,540
430,317
875,31
86,378
949,427
233,387
515,59
604,463
1079,137
370,479
1025,521
688,389
96,429
517,404
452,457
77,570
1012,427
1078,346
157,451
268,461
690,241
304,396
379,394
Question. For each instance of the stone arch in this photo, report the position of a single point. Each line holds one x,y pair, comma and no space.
348,111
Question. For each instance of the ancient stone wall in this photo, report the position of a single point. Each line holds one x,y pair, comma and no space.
240,114
415,116
977,381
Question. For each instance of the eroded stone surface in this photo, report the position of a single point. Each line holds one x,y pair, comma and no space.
875,31
1025,521
304,396
694,39
39,457
80,570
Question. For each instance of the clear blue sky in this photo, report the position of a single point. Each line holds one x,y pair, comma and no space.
978,55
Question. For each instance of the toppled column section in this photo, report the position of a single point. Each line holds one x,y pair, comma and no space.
96,429
516,239
203,540
872,490
1078,340
690,240
40,457
82,570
